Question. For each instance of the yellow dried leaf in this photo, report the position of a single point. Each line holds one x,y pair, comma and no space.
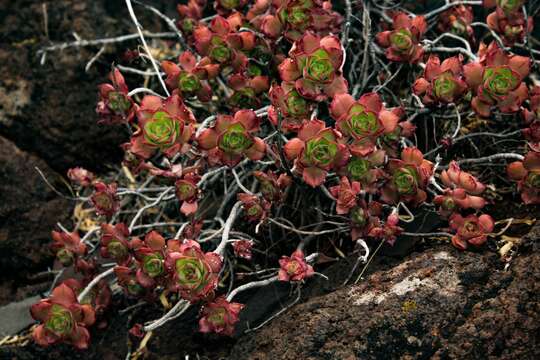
85,218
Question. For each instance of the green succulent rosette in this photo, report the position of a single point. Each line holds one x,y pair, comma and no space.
359,217
152,265
185,190
296,14
499,81
65,257
405,180
318,67
229,4
296,105
119,103
191,272
189,83
321,151
358,168
509,6
219,50
533,180
444,86
245,98
235,140
60,321
161,130
117,249
401,40
362,123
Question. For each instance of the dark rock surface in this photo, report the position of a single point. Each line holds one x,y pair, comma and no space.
29,210
49,109
439,304
47,119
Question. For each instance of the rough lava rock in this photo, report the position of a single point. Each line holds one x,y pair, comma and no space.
49,109
29,210
438,304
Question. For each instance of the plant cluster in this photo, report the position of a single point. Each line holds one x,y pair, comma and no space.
313,119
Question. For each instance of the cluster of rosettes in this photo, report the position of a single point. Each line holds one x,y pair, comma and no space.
457,20
144,268
508,20
462,192
293,18
153,262
359,146
495,80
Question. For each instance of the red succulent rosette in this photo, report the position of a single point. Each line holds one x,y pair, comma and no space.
527,174
272,186
189,77
81,176
497,80
105,199
287,103
192,229
293,18
242,248
295,267
150,255
402,43
114,105
455,177
225,7
531,118
511,26
256,208
364,217
127,279
314,64
63,319
247,91
363,120
409,178
461,191
195,273
316,150
99,297
389,231
68,247
365,170
470,230
219,316
189,15
222,43
346,195
115,243
441,83
188,193
508,6
230,139
457,20
165,125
